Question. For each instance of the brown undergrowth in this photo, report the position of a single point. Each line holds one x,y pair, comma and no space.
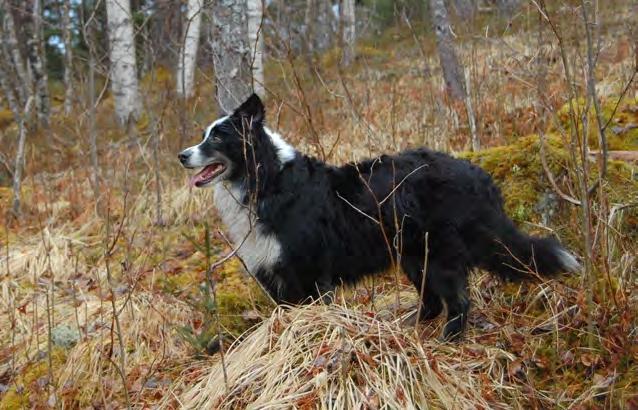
101,306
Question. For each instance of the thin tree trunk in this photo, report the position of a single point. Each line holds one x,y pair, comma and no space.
68,56
452,72
231,55
6,82
11,52
310,19
318,23
507,7
124,84
476,143
465,8
19,162
35,50
348,31
254,11
92,130
188,50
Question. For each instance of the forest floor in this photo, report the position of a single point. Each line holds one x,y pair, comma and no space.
105,302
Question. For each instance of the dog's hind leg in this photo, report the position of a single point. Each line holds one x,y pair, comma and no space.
431,301
449,280
453,288
447,273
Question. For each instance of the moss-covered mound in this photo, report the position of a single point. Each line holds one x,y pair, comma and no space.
619,118
530,198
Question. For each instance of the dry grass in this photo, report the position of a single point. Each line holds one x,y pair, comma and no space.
336,357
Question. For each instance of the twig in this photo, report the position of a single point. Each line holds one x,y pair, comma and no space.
423,280
550,176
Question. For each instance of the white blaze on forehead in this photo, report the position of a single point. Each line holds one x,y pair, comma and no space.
212,125
285,151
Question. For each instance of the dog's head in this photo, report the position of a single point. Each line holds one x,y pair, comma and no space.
233,147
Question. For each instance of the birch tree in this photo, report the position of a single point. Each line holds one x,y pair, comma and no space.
11,54
255,13
348,32
35,52
188,50
465,8
21,115
452,72
68,56
124,84
319,24
507,7
231,54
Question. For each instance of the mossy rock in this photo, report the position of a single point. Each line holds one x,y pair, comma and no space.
518,171
622,120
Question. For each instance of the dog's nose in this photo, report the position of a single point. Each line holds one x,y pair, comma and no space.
183,156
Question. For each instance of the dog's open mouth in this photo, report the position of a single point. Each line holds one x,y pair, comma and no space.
207,174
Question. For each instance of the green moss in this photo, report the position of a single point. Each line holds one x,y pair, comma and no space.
622,120
19,395
6,118
518,171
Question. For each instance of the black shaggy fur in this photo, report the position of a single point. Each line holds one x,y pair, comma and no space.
339,224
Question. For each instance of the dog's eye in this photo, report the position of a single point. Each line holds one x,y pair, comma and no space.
217,140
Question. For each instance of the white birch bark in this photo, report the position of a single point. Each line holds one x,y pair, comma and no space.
35,51
319,24
19,163
507,7
124,84
6,82
11,53
231,54
255,13
452,72
68,56
465,8
348,30
188,51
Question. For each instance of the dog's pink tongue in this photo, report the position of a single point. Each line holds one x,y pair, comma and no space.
202,175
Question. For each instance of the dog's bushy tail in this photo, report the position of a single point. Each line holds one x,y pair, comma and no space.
518,256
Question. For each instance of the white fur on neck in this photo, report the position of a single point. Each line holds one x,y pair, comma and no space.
285,151
257,249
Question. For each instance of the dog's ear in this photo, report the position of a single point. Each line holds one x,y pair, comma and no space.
251,110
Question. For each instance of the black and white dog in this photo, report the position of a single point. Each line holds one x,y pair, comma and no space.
303,227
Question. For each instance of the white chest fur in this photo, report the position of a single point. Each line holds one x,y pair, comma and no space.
256,249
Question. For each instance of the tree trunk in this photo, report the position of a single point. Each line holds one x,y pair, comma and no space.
254,12
231,54
465,9
11,54
310,21
188,50
92,130
19,164
348,32
507,7
35,50
68,56
319,24
124,85
6,82
165,26
452,72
